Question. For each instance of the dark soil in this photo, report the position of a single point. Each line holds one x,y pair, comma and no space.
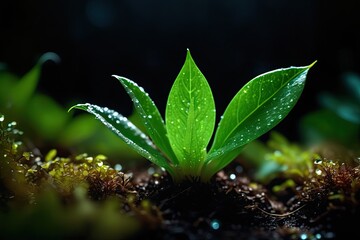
240,209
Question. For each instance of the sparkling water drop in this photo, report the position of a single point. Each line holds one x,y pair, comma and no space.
303,236
318,236
118,167
318,161
215,224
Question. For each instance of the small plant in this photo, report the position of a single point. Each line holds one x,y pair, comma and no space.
179,144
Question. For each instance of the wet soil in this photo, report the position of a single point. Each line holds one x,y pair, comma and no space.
233,207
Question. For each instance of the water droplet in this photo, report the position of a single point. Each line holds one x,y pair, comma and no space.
149,116
12,124
151,170
239,169
318,172
318,236
318,161
303,236
232,176
2,117
118,167
215,224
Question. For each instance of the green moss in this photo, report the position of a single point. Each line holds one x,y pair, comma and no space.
53,197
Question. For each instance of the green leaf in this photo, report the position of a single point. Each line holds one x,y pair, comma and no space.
127,131
323,125
260,105
25,88
150,116
190,115
45,117
92,137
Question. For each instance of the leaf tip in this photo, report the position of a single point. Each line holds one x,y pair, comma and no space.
188,55
312,64
71,108
77,106
115,76
49,56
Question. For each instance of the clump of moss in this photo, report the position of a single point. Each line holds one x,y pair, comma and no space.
21,169
66,174
53,197
335,181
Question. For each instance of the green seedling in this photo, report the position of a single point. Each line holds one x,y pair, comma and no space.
179,144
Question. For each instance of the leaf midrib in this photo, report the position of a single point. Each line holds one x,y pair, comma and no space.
190,115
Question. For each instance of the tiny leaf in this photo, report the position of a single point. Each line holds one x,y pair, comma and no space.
150,116
127,131
190,115
260,105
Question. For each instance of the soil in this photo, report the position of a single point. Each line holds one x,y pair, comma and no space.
237,208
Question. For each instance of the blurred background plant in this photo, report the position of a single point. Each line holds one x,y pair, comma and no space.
48,124
339,119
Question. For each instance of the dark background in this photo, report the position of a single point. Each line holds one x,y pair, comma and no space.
231,41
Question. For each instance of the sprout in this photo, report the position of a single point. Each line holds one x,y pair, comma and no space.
180,143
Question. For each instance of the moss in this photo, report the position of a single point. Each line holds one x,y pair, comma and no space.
53,197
